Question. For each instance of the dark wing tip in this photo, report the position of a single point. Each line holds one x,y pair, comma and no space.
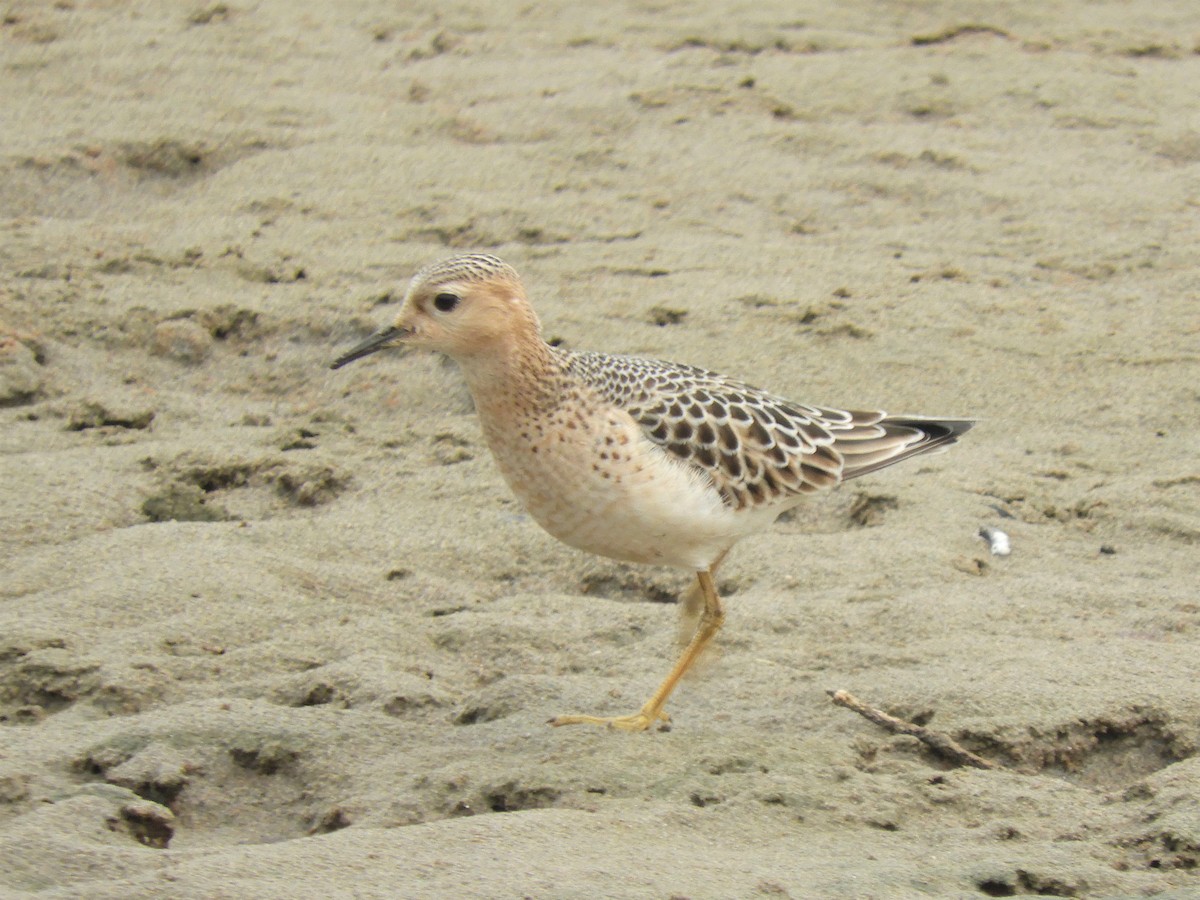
943,431
913,436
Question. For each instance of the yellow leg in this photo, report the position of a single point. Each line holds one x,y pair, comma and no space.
711,619
691,603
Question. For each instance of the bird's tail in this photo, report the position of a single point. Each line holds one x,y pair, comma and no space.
898,438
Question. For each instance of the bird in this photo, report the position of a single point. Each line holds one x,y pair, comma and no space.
631,458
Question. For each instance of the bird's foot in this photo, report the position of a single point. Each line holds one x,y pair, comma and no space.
639,721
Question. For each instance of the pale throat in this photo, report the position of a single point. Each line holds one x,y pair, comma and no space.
517,375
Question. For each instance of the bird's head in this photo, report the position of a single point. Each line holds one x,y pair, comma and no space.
465,307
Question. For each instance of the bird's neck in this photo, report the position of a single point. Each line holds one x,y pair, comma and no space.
518,378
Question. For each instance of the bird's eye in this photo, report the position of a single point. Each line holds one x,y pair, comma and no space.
445,302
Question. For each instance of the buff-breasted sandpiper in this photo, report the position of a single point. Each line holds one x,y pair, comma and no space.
636,459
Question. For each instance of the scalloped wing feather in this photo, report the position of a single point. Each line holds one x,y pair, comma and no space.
758,449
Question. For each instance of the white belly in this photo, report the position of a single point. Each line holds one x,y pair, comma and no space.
603,487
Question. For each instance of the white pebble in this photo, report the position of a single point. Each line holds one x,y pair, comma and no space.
997,540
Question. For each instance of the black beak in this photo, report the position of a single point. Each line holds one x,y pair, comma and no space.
378,341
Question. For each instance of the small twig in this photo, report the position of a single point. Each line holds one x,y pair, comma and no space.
949,34
941,744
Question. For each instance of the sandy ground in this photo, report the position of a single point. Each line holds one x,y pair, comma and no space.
270,630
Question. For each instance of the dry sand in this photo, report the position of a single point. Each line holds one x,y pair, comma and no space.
269,630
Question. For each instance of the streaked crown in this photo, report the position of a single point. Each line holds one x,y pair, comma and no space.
469,267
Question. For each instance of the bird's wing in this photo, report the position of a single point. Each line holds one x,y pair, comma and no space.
758,449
